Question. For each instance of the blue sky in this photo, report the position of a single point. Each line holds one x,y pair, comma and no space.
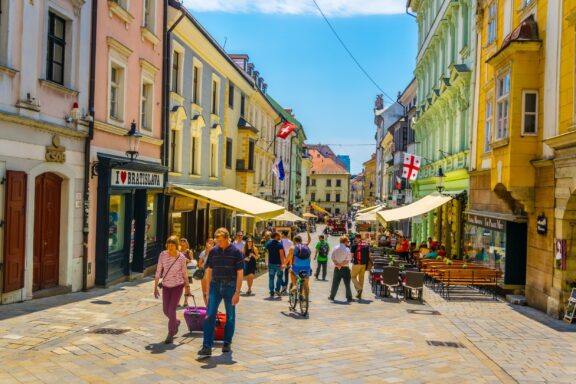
307,69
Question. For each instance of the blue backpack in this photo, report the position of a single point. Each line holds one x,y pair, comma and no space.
302,252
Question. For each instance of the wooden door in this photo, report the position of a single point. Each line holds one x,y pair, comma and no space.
47,231
15,231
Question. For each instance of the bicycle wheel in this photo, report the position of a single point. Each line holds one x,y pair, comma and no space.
292,298
303,299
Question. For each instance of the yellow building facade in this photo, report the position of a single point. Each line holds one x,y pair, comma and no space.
512,176
369,185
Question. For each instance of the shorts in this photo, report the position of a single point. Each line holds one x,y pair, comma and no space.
298,269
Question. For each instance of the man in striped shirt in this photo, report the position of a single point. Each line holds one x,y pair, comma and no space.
224,270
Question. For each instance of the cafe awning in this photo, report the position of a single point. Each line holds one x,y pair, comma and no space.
367,216
288,216
309,215
231,199
417,208
368,209
319,209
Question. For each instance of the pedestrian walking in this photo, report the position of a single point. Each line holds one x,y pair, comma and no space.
250,257
201,263
189,255
172,270
341,258
239,241
224,271
276,258
321,255
360,257
286,244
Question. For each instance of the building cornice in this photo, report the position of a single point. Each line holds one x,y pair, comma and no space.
109,128
42,125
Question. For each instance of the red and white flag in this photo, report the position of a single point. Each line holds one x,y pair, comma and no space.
398,183
285,130
411,166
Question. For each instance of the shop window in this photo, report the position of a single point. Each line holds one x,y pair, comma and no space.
116,223
488,126
151,218
486,247
56,48
502,106
530,113
492,22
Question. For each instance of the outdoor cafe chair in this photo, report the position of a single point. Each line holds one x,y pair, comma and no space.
414,281
390,279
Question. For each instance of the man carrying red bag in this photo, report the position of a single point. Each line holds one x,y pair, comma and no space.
225,271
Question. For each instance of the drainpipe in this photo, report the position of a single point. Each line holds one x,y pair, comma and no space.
87,147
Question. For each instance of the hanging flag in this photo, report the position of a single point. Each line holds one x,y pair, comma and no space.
411,166
286,129
278,169
398,183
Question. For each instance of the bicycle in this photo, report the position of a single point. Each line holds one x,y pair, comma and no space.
299,296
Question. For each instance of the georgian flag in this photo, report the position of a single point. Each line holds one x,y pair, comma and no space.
278,169
411,166
285,130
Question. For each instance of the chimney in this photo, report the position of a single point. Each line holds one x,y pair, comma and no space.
240,60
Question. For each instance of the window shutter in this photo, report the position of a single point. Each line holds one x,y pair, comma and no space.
15,231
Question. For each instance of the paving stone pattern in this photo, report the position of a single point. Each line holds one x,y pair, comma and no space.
378,340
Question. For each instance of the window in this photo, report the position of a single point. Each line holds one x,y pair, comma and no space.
176,58
526,3
215,97
328,182
313,196
228,153
213,159
173,150
502,106
338,183
337,197
488,126
116,223
242,105
231,96
313,182
251,145
146,106
492,22
122,3
327,197
196,82
530,113
194,155
307,181
3,31
116,92
337,211
149,15
56,48
151,218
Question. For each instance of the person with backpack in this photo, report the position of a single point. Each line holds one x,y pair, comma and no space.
360,258
286,244
299,258
321,255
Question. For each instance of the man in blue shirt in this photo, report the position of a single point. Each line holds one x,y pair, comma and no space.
224,269
276,258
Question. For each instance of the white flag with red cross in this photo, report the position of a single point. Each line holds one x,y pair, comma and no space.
411,166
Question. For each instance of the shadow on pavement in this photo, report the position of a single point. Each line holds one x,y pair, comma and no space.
161,347
340,302
275,298
215,361
364,301
296,316
543,318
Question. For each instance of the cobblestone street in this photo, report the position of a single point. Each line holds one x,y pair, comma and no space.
52,340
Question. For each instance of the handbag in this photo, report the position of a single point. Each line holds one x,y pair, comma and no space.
198,274
164,273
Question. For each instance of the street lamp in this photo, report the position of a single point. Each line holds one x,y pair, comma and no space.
134,137
440,180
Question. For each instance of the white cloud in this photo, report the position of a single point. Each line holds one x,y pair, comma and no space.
333,8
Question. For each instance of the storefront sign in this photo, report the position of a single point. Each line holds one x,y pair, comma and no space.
570,312
487,222
542,224
141,179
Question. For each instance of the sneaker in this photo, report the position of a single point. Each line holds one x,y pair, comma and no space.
169,340
350,300
330,298
248,293
226,348
278,293
359,294
204,352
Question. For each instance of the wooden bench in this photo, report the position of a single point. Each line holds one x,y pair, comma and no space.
477,276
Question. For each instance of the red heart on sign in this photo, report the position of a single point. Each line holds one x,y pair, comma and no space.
123,175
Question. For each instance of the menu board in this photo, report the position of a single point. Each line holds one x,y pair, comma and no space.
570,312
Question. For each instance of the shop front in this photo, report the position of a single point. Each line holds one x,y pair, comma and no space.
130,210
497,241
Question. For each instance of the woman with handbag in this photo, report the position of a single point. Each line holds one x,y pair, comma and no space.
250,257
174,274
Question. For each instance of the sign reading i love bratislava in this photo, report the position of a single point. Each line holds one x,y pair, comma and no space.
140,179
